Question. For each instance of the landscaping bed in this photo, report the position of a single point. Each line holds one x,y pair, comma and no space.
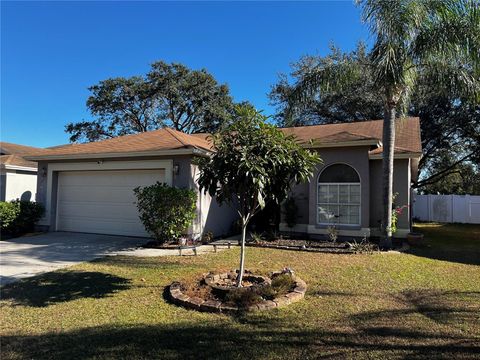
218,292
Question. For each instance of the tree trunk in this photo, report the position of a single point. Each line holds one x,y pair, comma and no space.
242,253
387,174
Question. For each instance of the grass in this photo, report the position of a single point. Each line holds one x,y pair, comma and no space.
417,305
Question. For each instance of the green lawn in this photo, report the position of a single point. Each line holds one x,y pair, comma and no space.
417,305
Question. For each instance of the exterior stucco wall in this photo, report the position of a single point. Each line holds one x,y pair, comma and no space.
401,186
18,184
211,216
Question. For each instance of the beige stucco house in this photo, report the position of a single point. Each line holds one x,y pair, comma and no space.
88,187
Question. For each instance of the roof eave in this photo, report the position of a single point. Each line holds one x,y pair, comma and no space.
409,155
369,142
168,152
17,167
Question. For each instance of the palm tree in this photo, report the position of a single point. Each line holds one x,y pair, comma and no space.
435,38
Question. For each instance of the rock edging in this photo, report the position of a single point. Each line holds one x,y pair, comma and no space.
179,298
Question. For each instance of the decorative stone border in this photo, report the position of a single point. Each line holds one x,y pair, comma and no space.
179,298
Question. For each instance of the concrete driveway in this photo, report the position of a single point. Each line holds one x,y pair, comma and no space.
30,255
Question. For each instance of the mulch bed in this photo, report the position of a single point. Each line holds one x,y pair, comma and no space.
198,295
305,245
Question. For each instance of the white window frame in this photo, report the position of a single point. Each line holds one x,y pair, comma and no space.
317,203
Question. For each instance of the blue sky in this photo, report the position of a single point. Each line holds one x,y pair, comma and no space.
51,52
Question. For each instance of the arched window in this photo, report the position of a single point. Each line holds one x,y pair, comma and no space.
338,197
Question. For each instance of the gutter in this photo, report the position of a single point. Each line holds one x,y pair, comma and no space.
189,151
410,155
16,167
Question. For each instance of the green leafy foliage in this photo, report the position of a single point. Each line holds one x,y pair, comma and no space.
19,217
254,164
169,95
282,283
410,38
165,211
8,213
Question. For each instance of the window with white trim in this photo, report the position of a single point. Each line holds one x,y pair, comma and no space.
338,196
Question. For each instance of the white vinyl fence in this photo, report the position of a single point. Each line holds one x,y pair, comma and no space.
447,208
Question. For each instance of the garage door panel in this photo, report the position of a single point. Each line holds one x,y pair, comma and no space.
94,194
102,201
85,210
96,226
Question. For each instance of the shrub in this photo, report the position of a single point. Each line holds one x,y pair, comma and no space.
243,297
362,247
18,217
165,211
332,233
8,213
283,283
207,237
30,213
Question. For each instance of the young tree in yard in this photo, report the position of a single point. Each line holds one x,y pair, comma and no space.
410,37
169,95
254,163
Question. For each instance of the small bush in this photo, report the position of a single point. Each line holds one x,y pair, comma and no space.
19,217
165,211
30,213
283,283
243,297
207,237
8,213
362,247
256,238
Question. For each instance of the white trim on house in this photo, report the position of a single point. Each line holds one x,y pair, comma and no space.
99,166
317,193
15,167
190,151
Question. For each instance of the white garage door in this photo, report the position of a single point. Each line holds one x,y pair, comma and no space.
102,202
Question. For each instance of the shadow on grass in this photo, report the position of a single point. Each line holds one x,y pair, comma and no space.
62,286
220,341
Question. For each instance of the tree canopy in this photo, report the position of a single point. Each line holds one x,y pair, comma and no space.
254,163
168,95
410,38
450,121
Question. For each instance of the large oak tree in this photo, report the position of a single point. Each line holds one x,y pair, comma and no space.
169,95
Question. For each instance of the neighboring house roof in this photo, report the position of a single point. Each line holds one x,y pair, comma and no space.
147,143
14,161
12,156
174,142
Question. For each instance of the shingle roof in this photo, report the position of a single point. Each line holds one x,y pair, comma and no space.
15,160
407,133
163,139
407,139
9,148
13,155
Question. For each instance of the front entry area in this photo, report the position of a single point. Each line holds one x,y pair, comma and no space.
102,202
